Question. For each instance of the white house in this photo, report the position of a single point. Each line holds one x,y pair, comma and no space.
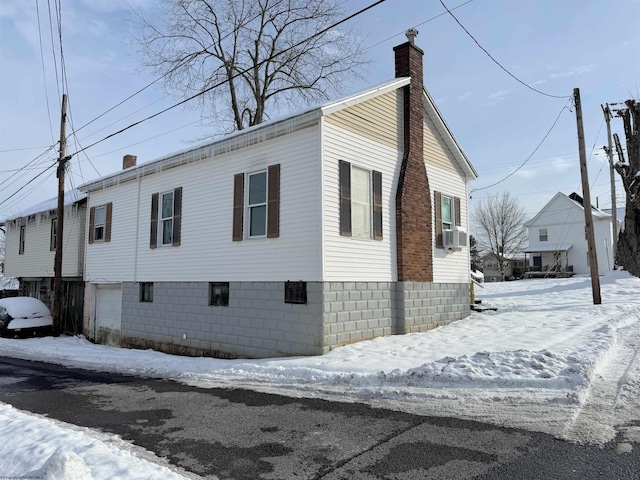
343,222
31,237
557,237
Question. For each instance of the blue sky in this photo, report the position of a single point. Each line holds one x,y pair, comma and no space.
552,45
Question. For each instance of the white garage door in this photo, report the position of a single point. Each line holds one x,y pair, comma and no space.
108,311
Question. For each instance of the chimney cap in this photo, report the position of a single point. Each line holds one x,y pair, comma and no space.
411,34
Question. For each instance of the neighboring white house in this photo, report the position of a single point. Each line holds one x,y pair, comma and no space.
31,237
341,223
557,237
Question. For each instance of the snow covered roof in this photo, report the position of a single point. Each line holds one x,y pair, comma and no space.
70,197
550,247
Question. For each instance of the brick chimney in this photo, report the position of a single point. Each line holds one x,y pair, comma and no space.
129,161
413,198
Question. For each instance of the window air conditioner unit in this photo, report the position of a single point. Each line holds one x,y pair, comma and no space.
451,240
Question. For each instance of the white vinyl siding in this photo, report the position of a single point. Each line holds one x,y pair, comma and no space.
353,258
207,251
38,258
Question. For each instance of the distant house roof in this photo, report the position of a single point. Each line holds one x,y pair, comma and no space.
70,197
576,200
550,247
282,125
620,212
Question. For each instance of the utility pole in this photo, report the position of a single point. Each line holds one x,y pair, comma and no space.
614,214
57,264
588,219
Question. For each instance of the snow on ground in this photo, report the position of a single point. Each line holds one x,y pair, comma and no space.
547,360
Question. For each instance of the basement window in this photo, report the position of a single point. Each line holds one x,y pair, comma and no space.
295,292
146,292
219,294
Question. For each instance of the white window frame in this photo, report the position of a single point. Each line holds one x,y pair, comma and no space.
543,232
367,234
452,212
162,219
102,225
251,206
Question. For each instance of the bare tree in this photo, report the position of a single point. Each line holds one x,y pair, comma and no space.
499,225
261,52
629,239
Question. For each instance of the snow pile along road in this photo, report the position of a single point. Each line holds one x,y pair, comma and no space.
547,360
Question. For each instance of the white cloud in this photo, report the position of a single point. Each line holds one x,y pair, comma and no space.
579,70
464,96
561,164
499,95
526,173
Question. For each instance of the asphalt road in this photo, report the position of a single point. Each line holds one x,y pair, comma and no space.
241,434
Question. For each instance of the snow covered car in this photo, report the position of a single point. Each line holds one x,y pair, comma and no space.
24,316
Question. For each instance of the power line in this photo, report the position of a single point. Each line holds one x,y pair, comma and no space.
33,179
24,168
242,72
320,32
498,63
22,149
44,75
160,77
532,153
417,25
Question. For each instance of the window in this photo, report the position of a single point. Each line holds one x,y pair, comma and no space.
543,235
54,234
98,227
295,292
166,218
21,243
166,214
257,204
447,212
219,294
448,216
360,202
146,292
261,207
100,223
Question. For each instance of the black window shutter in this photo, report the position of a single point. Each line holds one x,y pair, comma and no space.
377,204
238,206
107,222
458,211
177,215
437,205
153,234
92,221
345,198
273,205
